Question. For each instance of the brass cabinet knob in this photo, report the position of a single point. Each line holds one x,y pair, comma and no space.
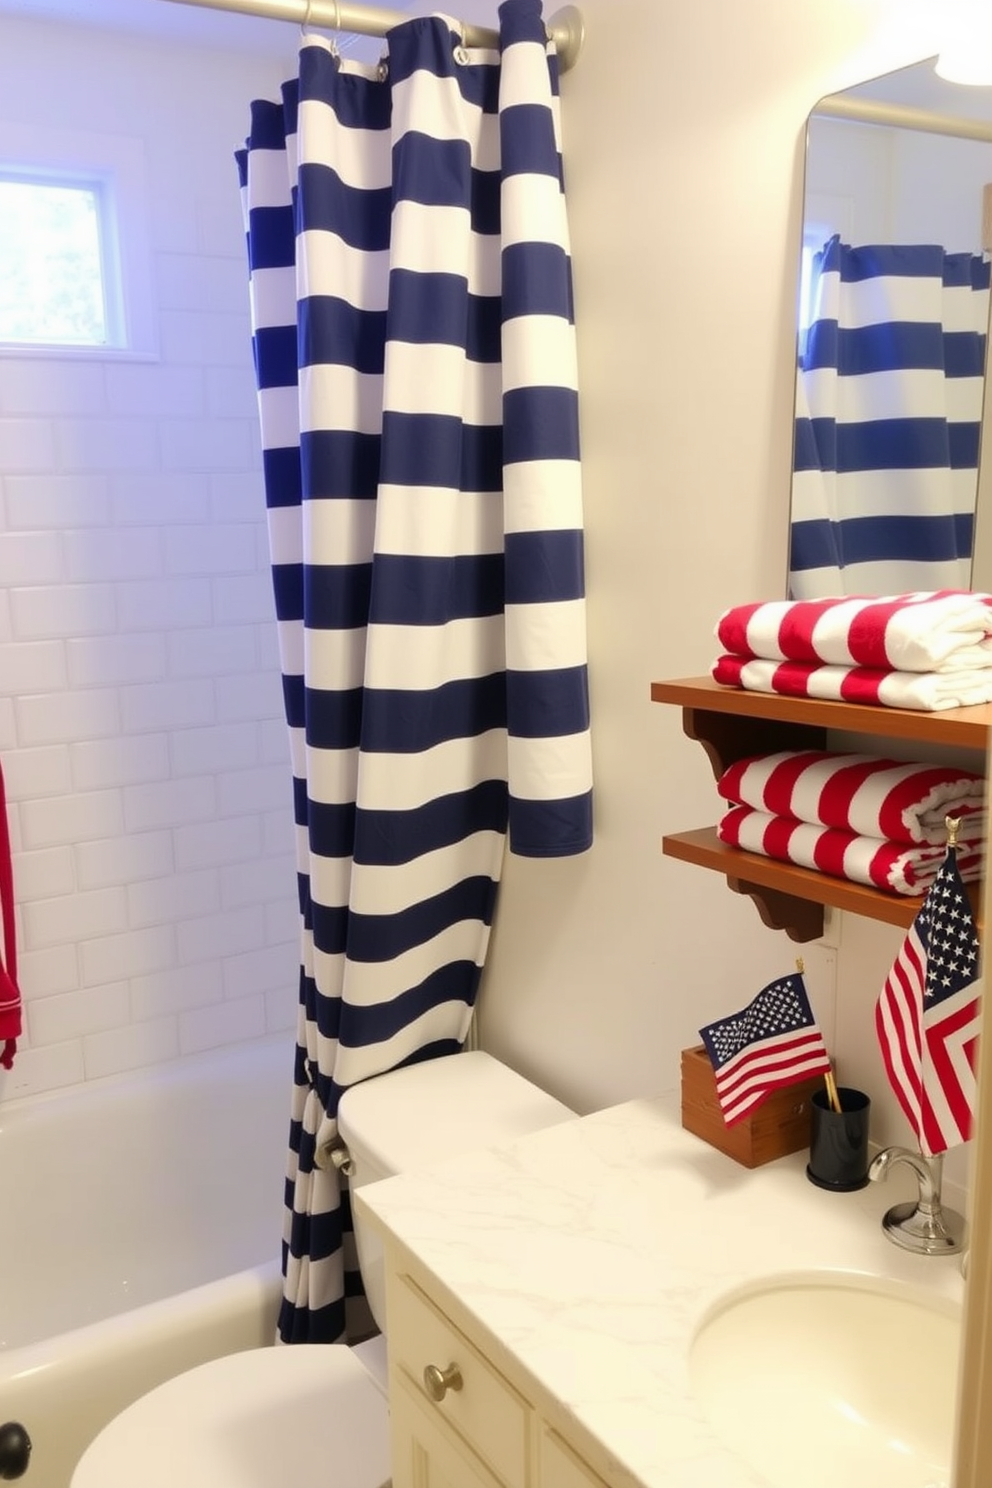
437,1382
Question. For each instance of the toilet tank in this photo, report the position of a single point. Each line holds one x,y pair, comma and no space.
419,1115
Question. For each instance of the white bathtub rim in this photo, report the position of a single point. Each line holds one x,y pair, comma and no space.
161,1318
163,1072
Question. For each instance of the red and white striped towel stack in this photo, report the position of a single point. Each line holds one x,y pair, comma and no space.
929,651
874,821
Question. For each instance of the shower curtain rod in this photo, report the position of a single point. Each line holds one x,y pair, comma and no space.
565,28
873,111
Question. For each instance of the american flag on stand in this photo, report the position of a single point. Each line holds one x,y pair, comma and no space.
928,1015
772,1042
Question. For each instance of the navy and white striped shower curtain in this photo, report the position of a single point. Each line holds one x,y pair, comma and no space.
414,346
888,419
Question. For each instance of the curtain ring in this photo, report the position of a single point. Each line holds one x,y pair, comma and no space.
335,26
461,50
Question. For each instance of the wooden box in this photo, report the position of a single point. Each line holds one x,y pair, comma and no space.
780,1124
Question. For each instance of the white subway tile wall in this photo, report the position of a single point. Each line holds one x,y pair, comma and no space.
145,755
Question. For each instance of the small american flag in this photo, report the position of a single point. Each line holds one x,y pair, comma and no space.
928,1015
774,1041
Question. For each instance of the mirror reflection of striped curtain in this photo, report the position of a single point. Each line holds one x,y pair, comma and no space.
888,419
414,346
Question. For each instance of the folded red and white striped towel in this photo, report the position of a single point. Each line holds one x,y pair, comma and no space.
930,631
892,866
929,692
859,793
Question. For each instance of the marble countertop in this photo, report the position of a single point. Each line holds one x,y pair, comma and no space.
592,1249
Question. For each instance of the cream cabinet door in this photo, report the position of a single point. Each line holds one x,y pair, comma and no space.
426,1453
483,1410
561,1467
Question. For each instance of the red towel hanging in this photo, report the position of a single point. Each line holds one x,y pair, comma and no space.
10,997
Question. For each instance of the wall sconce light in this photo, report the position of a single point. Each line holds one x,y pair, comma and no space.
966,55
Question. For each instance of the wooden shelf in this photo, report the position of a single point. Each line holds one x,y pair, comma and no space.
788,897
731,724
967,728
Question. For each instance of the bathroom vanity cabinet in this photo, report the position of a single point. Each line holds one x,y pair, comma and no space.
731,724
566,1275
458,1420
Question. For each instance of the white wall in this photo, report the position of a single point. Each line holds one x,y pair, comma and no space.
140,711
937,196
848,171
900,185
683,131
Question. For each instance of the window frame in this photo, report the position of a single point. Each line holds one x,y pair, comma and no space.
114,167
111,309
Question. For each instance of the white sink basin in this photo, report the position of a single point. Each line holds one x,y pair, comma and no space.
827,1380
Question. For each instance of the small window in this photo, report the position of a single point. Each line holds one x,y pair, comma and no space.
806,286
53,274
816,236
75,259
825,215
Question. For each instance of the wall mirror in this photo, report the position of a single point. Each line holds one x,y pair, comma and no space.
887,485
902,163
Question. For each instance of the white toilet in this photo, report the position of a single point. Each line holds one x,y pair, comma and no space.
317,1413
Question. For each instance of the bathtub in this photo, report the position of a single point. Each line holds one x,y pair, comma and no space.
140,1221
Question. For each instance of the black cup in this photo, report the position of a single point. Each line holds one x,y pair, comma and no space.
838,1147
